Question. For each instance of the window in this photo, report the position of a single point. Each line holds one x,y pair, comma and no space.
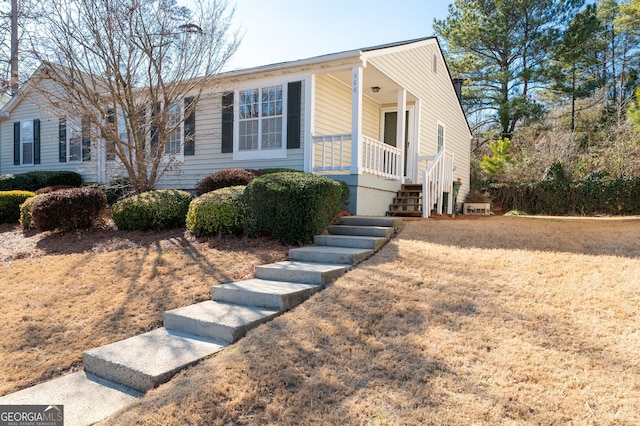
174,121
74,142
440,145
260,122
26,142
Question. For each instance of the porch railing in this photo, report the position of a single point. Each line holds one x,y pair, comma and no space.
437,179
332,153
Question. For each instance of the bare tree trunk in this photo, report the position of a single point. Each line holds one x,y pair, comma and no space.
14,47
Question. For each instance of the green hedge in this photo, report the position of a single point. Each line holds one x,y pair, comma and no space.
589,196
225,178
153,210
68,209
32,181
10,202
218,212
292,207
25,211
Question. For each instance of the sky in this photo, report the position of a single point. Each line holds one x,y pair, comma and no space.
284,30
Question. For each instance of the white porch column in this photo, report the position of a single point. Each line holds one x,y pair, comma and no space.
401,129
356,120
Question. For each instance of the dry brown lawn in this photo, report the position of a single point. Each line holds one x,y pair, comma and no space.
493,321
63,294
490,321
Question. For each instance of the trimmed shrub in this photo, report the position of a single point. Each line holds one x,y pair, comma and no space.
292,207
69,209
225,178
278,170
25,211
588,196
152,210
217,212
54,188
346,193
10,202
32,181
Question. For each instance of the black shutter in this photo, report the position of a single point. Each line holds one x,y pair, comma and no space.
36,141
189,126
86,139
16,143
154,129
227,122
293,114
62,141
109,148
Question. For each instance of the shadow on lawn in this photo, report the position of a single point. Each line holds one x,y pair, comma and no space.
588,236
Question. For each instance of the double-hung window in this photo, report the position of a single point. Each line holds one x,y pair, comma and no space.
174,125
74,137
74,141
261,123
26,143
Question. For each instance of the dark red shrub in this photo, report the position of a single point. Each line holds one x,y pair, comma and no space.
226,178
48,189
76,208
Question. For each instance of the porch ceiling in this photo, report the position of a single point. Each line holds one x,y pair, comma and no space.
373,77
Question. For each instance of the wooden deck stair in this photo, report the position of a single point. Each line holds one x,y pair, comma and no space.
408,202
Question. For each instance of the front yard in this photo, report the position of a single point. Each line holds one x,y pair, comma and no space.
501,320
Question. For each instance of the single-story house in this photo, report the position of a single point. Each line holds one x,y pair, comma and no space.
340,115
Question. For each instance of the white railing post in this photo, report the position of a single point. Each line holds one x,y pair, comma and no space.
356,120
401,129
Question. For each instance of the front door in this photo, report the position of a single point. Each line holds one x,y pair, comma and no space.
389,136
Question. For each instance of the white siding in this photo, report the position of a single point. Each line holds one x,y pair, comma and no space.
208,156
413,69
32,107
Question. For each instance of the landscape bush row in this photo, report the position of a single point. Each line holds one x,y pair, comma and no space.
556,194
290,206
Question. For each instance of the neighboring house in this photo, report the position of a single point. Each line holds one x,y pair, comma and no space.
339,115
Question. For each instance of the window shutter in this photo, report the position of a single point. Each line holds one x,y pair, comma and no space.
189,126
16,143
154,129
86,139
227,122
36,141
293,114
62,139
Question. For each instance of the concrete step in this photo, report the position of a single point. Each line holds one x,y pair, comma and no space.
216,320
371,221
370,243
277,295
86,398
301,272
364,231
325,254
145,361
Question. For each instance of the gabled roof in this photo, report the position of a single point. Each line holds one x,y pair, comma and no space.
347,56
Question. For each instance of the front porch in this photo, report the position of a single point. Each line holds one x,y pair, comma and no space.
361,136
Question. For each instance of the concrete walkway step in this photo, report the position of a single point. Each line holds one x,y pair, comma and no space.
278,295
325,254
145,361
301,272
217,321
387,221
351,241
363,231
86,398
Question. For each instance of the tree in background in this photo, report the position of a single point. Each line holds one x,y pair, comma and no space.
502,47
131,72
